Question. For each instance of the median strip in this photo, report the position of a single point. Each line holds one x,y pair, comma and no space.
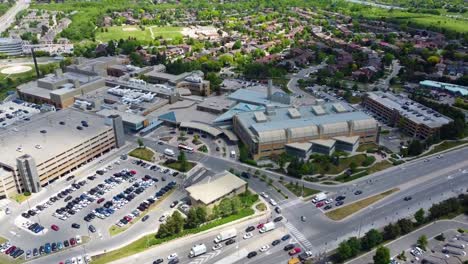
347,210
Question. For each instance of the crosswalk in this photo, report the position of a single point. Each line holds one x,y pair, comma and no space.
286,203
205,257
298,235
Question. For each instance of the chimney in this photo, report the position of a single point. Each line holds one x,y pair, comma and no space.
269,89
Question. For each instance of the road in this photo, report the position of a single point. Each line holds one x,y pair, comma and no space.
9,17
293,85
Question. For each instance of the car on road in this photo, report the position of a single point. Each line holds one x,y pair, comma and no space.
172,256
264,248
92,229
340,198
303,218
174,204
294,251
278,210
145,218
273,202
278,219
275,242
248,235
252,254
55,227
339,203
288,247
217,246
358,192
75,225
264,195
250,229
160,260
408,198
230,241
286,237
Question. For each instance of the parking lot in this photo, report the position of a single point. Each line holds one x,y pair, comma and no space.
118,193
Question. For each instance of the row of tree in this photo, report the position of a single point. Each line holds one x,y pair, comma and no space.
354,246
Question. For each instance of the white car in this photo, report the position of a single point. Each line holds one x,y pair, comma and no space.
329,201
264,195
217,246
79,260
78,239
73,260
272,202
248,235
264,248
172,256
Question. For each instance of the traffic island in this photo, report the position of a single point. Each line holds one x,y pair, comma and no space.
143,153
347,210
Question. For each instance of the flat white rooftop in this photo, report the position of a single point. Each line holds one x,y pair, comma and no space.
47,135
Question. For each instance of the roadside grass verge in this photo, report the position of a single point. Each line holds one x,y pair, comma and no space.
343,165
115,230
142,153
150,240
347,210
177,165
21,197
367,146
381,165
299,190
445,146
3,240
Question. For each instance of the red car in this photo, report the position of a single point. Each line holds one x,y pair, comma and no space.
133,172
9,250
294,251
72,241
320,204
260,226
100,200
55,227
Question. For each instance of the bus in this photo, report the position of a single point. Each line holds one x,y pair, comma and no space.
185,148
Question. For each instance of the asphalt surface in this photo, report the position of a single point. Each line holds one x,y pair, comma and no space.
9,17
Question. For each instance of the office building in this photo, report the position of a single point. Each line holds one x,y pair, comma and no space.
445,87
267,132
36,153
11,47
411,117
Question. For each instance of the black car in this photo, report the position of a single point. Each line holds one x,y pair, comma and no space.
285,237
275,242
278,210
69,178
408,198
75,225
339,203
288,247
145,218
245,175
230,241
92,229
278,219
250,229
340,198
173,261
35,252
358,192
252,254
158,261
25,215
68,198
174,204
327,207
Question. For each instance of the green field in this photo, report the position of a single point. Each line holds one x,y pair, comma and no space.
125,32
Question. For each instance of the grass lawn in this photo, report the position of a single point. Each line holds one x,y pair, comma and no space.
176,165
19,198
115,230
444,146
142,153
150,240
347,210
124,32
343,165
382,165
261,207
367,146
299,190
3,240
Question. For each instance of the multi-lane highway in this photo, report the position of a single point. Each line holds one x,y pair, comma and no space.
9,17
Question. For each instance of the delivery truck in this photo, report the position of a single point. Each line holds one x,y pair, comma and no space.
267,227
169,152
319,197
197,250
225,235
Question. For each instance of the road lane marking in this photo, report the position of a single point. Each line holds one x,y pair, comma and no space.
298,235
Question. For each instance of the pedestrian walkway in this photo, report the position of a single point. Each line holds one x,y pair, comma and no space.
289,203
298,235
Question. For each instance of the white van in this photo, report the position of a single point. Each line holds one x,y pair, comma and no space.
169,152
233,154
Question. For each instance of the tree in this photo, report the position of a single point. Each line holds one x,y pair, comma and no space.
382,256
391,231
344,251
415,148
355,246
215,81
406,225
420,216
192,220
371,239
225,207
111,48
236,204
422,242
182,159
140,142
237,45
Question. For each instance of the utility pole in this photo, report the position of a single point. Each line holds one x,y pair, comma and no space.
35,66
